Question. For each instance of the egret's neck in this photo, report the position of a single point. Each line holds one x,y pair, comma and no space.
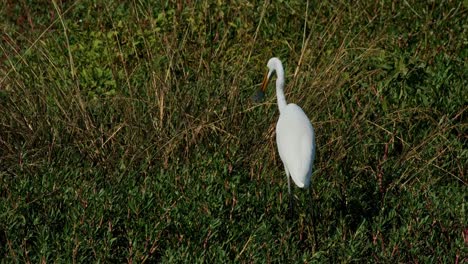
280,87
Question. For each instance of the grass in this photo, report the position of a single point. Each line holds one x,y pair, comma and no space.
127,133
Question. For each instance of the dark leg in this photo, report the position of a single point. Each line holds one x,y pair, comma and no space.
312,214
291,205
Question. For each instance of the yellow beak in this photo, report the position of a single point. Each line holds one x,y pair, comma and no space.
265,82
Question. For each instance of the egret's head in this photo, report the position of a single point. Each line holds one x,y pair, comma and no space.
274,64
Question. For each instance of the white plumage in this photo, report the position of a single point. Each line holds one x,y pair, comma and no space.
294,133
296,144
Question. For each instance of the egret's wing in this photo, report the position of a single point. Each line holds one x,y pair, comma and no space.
296,144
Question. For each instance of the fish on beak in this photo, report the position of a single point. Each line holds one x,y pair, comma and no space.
259,96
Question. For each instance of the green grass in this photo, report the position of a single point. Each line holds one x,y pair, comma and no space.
127,132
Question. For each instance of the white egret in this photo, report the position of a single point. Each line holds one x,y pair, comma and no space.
295,135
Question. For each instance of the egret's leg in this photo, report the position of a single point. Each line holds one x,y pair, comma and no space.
312,214
290,193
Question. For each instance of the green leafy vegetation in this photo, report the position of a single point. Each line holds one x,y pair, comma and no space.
128,133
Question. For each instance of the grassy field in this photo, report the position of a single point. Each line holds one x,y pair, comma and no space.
128,133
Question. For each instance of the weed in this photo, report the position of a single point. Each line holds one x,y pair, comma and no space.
127,132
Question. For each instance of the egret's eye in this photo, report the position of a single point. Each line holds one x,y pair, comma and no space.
259,96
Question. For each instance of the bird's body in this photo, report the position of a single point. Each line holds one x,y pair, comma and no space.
296,144
294,133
